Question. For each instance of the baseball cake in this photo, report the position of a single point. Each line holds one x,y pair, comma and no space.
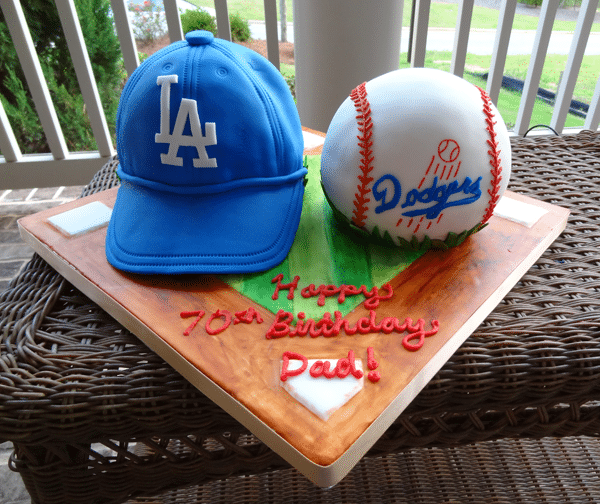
214,181
417,157
232,251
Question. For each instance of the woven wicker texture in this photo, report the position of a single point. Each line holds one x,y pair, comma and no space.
494,472
97,417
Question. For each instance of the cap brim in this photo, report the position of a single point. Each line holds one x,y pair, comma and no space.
246,230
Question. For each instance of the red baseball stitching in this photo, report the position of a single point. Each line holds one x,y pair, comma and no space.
365,143
494,153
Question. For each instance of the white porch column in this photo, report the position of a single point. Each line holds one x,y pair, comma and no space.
339,44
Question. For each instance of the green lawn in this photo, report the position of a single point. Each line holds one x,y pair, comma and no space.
508,101
517,65
248,9
442,15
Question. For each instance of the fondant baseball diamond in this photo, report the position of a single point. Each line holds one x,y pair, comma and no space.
313,340
416,157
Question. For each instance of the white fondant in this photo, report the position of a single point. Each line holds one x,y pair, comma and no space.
519,212
82,219
165,81
311,140
421,118
323,396
188,110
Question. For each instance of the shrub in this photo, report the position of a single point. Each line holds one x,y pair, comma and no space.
148,20
534,3
290,79
21,113
240,29
198,20
202,20
74,121
55,60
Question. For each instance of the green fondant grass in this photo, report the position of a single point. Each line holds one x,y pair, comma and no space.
323,253
408,246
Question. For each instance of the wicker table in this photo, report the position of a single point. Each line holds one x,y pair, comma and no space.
95,416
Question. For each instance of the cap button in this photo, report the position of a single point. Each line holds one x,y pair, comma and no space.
199,37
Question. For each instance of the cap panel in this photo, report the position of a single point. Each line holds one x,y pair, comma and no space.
139,113
220,97
287,124
231,99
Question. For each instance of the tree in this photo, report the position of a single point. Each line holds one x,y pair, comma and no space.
283,20
51,47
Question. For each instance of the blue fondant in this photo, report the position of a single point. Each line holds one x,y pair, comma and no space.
440,196
387,203
177,210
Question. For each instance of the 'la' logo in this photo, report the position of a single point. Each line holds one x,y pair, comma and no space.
187,110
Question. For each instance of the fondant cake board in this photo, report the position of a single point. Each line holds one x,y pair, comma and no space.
239,369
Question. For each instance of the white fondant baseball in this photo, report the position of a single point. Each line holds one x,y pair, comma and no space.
417,153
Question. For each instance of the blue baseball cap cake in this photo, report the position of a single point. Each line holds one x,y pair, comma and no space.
210,151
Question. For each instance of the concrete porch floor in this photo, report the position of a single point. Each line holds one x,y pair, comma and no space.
14,204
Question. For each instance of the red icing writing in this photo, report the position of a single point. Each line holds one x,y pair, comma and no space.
321,368
186,314
289,286
218,314
374,376
375,297
242,317
247,316
372,364
343,368
281,325
327,326
324,291
285,372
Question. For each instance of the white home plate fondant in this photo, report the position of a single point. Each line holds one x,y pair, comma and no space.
519,212
82,219
321,395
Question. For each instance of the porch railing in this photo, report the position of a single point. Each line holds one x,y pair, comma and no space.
62,167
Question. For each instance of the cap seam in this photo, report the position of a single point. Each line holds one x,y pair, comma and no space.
210,189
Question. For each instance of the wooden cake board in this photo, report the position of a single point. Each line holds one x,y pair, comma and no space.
239,368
